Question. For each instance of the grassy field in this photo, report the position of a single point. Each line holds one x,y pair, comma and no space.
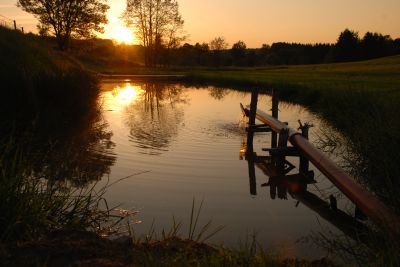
374,74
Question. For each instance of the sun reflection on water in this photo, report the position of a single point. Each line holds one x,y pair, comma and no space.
123,96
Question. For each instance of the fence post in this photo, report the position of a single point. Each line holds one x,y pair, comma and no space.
304,162
252,169
253,107
15,25
275,111
250,135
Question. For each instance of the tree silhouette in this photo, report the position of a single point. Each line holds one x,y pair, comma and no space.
347,47
158,24
396,46
217,45
77,18
375,45
238,52
202,51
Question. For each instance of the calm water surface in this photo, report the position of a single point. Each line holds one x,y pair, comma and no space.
184,143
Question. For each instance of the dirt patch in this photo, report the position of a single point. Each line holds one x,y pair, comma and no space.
69,248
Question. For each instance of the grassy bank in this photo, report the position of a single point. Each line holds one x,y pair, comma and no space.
43,90
88,249
44,94
37,79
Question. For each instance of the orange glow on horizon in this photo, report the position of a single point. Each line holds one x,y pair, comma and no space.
255,22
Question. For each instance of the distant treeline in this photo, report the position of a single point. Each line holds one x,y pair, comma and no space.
217,53
349,47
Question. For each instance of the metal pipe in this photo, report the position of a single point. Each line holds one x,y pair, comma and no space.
368,203
347,224
275,124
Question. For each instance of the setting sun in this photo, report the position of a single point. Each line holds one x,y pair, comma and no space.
122,34
119,33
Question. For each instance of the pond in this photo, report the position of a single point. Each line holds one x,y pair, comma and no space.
173,143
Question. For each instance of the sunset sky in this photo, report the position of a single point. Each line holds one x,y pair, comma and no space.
262,21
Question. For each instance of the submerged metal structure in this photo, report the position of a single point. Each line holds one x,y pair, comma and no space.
369,204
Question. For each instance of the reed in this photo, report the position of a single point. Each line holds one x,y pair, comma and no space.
32,206
172,248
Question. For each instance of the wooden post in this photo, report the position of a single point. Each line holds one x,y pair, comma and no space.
250,137
333,203
22,29
275,111
275,104
249,151
15,25
304,162
253,107
252,121
252,172
283,140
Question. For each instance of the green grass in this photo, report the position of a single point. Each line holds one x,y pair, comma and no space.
174,249
32,206
168,248
378,74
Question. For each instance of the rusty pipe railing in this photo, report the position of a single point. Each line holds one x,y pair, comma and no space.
368,203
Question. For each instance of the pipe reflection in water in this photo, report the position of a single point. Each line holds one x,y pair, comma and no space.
282,184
